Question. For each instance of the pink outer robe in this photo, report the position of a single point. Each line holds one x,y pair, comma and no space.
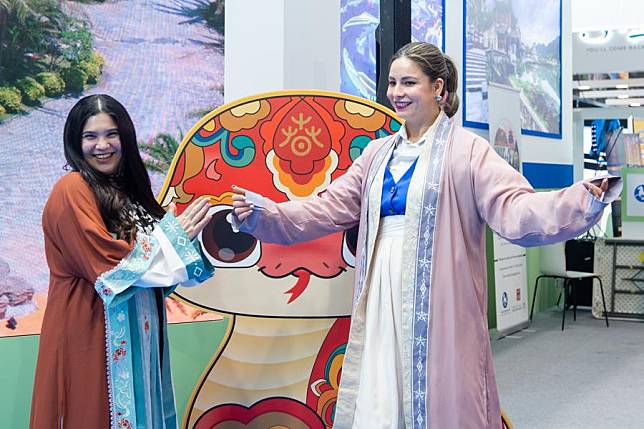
476,187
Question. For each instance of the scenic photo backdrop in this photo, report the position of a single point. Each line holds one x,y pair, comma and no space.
163,60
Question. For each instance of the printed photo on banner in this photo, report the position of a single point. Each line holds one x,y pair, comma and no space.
514,43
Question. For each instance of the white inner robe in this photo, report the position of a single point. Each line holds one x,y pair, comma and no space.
379,402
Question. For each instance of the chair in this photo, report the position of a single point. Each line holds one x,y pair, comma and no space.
552,262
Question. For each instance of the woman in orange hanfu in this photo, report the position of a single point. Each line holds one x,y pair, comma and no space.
114,254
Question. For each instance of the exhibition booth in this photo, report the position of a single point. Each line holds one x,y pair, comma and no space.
218,89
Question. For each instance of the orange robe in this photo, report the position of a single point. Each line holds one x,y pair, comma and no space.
72,377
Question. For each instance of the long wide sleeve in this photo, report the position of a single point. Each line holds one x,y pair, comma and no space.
163,259
506,201
338,208
116,268
173,263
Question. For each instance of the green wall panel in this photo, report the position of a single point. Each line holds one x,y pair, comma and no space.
192,345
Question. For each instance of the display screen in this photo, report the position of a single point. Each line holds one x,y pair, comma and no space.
601,141
359,21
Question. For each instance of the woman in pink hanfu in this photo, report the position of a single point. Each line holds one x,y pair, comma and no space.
419,353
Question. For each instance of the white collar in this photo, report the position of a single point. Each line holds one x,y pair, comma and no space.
401,135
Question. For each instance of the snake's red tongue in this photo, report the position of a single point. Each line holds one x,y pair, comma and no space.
303,278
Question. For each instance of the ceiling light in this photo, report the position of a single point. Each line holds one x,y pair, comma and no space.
633,102
583,87
622,96
621,86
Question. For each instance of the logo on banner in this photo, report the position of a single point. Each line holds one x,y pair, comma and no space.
504,300
639,193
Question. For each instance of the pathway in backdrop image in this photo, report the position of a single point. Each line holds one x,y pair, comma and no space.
162,62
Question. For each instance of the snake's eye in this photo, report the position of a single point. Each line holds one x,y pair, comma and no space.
225,248
349,245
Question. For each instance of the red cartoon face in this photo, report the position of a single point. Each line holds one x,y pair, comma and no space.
287,146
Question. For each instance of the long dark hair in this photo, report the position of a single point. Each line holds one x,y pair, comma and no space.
130,181
435,65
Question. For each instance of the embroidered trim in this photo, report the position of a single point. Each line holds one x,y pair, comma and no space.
190,256
129,269
119,360
108,370
377,161
345,406
424,256
118,353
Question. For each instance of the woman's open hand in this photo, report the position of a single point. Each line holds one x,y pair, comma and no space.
241,208
195,218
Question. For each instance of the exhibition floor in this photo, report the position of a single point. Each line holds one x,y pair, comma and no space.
587,376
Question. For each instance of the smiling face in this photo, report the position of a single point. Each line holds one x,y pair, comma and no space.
412,93
101,143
